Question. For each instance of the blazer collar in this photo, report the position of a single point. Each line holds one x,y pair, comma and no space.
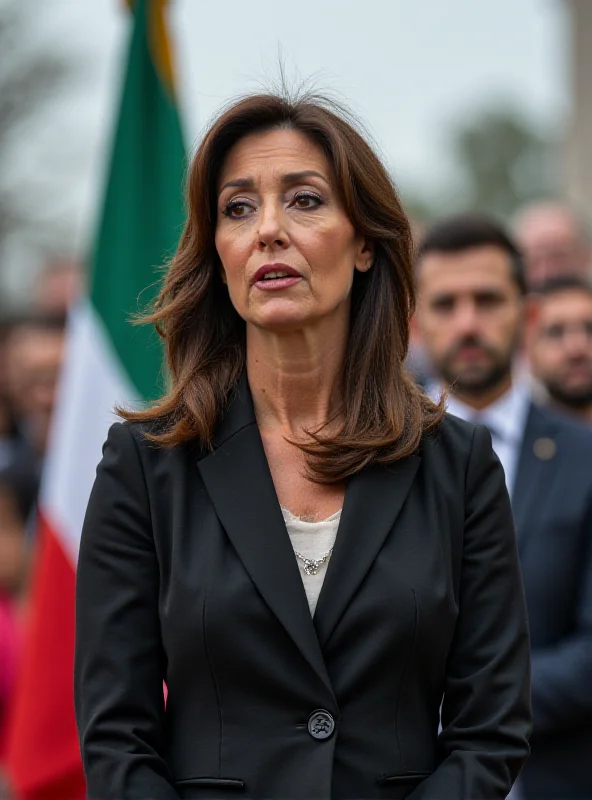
373,500
238,480
239,413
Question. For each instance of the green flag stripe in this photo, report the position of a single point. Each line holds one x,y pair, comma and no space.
143,212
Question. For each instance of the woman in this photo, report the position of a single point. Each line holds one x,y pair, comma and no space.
295,539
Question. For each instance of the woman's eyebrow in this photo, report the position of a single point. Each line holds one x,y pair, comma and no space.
238,183
288,178
296,177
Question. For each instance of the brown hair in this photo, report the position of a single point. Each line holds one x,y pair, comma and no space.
384,413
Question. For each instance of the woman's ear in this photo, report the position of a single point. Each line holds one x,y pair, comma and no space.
365,257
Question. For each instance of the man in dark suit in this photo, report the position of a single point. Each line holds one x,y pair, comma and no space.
470,316
560,345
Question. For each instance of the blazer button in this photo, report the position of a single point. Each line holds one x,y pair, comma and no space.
321,724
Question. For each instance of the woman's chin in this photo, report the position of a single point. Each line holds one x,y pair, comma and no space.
282,323
280,316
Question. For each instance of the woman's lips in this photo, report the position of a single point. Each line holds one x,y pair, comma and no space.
271,284
281,276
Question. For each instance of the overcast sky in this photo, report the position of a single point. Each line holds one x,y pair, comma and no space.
411,69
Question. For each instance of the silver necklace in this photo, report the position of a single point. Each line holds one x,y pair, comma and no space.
311,565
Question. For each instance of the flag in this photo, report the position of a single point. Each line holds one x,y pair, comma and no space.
108,362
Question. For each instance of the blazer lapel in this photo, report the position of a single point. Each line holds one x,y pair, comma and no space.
373,500
238,480
535,472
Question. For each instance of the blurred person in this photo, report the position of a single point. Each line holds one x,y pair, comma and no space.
33,359
7,420
294,461
14,562
560,344
17,495
58,287
554,243
470,315
15,452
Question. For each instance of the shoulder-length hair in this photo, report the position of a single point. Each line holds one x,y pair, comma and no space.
383,413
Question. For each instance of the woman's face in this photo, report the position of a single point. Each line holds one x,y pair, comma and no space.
287,248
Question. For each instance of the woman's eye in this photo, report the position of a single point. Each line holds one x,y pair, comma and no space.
237,209
307,200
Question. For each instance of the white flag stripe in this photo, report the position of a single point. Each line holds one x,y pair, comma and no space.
92,383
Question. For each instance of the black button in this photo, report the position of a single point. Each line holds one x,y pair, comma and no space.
321,724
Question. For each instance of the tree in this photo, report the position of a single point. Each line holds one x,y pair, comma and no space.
506,162
503,161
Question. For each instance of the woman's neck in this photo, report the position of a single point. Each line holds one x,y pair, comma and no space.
295,378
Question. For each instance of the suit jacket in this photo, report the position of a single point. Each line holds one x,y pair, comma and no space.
552,501
186,574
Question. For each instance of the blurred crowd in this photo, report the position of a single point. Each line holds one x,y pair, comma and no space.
555,245
503,327
31,355
466,335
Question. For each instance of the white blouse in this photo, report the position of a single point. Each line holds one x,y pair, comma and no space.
312,540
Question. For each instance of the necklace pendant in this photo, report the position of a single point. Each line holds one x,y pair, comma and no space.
311,567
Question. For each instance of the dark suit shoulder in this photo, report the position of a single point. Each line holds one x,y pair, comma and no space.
573,434
138,430
154,455
459,428
447,450
453,434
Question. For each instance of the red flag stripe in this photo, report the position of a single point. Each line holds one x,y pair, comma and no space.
43,753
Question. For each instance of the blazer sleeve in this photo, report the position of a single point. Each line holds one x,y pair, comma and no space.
119,658
486,713
562,674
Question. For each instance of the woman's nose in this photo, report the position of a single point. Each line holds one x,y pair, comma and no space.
272,230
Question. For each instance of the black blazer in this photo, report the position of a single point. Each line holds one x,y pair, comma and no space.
186,574
552,501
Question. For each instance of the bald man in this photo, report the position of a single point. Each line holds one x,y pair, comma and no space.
554,243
